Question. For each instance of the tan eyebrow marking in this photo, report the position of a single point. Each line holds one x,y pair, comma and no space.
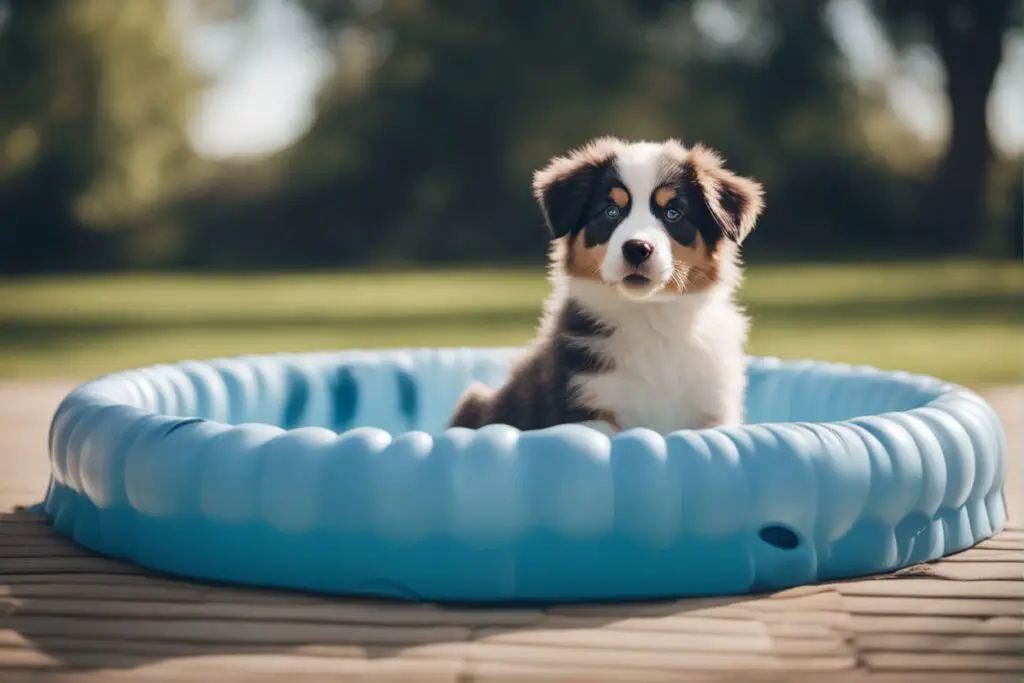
619,196
663,195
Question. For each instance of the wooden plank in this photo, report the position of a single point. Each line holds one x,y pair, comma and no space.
219,592
22,516
967,571
157,662
1009,590
998,543
737,607
89,564
601,657
224,676
806,629
90,578
941,661
216,667
808,625
32,540
155,603
66,675
938,677
505,672
144,588
656,641
241,632
1010,534
955,626
919,642
482,651
20,528
72,651
89,591
25,659
116,588
983,555
210,668
977,607
42,551
227,612
683,621
160,649
478,672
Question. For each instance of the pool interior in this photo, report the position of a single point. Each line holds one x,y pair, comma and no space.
417,390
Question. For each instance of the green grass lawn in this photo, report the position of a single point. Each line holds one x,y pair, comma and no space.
961,321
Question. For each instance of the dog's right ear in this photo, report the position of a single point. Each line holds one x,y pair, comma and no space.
563,187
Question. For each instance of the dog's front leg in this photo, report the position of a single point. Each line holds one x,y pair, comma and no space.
473,409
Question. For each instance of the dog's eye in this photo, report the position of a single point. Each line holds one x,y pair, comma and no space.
612,212
673,215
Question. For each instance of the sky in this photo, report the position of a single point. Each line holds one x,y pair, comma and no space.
269,75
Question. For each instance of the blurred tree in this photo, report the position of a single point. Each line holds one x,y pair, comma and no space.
414,144
764,82
968,36
96,101
438,111
217,11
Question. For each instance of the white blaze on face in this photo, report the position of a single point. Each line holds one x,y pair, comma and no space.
638,167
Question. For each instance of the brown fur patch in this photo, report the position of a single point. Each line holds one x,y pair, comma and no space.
584,262
694,268
663,195
619,196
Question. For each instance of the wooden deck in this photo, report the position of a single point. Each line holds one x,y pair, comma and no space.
66,615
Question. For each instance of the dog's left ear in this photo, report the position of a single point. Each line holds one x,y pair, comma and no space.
735,202
563,187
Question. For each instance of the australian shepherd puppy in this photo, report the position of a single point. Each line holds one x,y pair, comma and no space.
641,328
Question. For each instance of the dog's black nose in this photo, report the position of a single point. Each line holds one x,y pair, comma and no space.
637,251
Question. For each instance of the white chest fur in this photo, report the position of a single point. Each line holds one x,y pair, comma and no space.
677,364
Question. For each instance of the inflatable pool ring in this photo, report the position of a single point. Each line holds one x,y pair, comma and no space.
334,473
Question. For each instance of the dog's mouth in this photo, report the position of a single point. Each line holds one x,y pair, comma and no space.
636,280
638,287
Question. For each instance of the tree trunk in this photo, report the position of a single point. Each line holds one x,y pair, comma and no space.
969,38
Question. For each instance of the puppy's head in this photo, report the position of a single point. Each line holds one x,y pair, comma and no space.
648,220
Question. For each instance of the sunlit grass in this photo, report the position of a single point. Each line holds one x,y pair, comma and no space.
961,321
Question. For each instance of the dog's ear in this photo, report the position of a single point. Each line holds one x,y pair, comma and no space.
563,187
735,202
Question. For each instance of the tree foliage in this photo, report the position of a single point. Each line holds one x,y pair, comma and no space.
426,152
97,97
436,113
968,36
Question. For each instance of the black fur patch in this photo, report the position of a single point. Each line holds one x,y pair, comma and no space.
568,201
539,393
697,215
683,231
596,222
719,202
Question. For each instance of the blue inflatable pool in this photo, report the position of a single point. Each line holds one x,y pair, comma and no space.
334,473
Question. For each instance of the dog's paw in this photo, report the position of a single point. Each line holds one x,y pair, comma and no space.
473,407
